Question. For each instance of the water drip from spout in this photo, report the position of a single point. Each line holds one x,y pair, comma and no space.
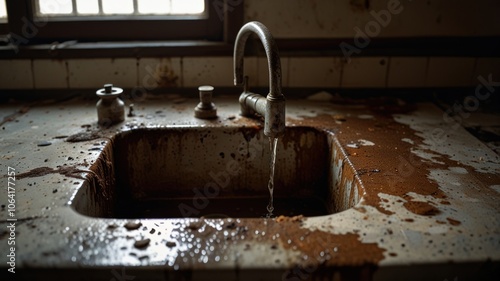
273,143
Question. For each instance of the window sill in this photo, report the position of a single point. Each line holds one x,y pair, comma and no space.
307,47
137,49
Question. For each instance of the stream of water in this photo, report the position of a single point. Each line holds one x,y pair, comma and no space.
273,143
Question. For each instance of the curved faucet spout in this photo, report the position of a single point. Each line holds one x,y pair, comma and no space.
273,106
273,59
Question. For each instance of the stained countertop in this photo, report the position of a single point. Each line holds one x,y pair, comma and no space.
429,199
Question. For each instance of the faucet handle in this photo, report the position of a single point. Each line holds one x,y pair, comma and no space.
206,108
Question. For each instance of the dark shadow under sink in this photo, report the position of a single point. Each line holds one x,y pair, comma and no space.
213,172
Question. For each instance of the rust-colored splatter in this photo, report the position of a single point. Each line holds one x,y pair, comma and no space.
320,250
69,171
421,208
323,247
344,249
399,170
453,222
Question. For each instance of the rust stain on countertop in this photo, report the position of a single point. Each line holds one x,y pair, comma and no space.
400,171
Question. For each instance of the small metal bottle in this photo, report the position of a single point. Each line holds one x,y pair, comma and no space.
110,108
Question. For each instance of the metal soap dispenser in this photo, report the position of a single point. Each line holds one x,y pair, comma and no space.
110,108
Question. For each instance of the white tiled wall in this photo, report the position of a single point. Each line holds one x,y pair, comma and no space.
215,71
365,72
450,72
16,74
87,73
407,72
159,72
50,74
313,72
487,66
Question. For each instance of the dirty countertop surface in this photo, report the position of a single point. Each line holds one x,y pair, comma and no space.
430,196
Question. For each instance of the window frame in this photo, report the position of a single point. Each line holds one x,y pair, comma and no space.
218,26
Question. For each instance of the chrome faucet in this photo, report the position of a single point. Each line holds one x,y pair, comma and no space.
271,107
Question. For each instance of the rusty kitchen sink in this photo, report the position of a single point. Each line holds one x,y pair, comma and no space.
217,172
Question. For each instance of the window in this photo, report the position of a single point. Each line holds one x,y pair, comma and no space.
132,8
121,20
3,11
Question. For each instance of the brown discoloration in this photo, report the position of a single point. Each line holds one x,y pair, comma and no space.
327,248
453,222
421,208
164,75
322,249
100,179
69,171
404,173
399,170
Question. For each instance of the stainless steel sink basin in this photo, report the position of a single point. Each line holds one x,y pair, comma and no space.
216,172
